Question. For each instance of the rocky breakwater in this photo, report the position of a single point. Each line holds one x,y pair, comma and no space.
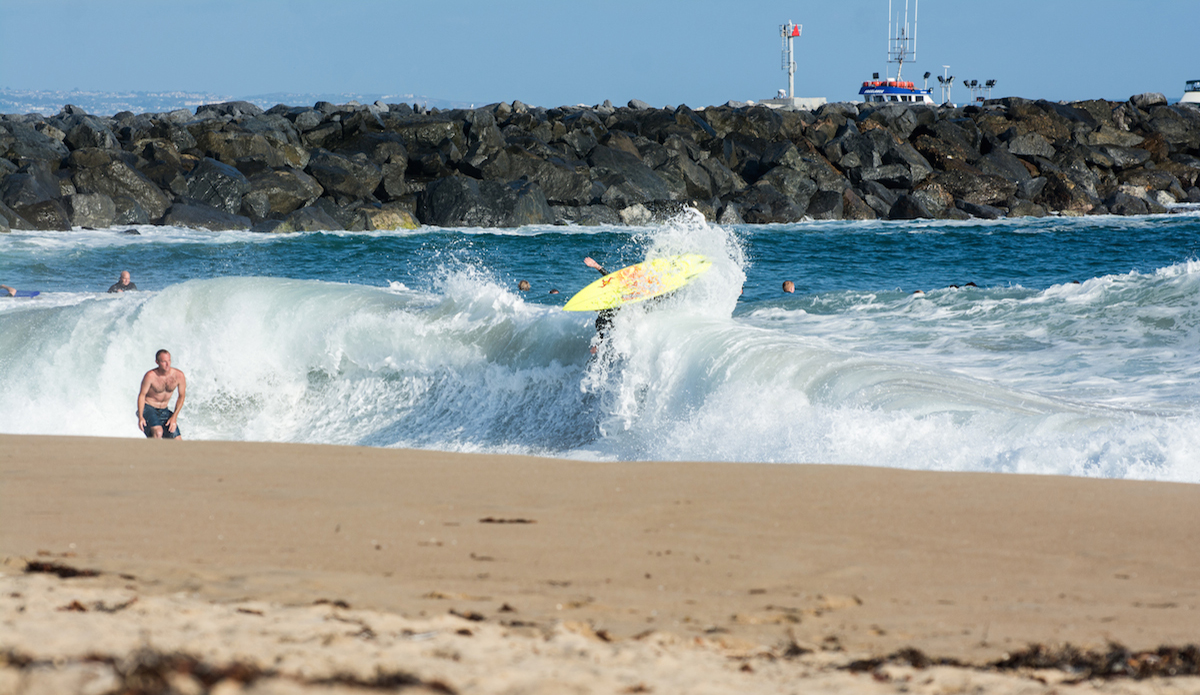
387,166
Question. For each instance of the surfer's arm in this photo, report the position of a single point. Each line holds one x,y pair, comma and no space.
12,293
591,263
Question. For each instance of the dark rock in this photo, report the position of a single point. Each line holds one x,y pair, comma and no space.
1064,195
218,185
933,197
560,182
797,187
826,205
48,215
890,175
910,208
230,108
32,183
228,148
900,119
91,132
986,212
730,215
353,178
12,220
878,190
725,181
1002,163
1151,180
310,219
286,190
1025,208
1031,145
762,203
256,205
1031,188
118,179
982,189
20,144
197,215
627,180
1147,100
1121,203
855,208
458,201
129,211
1125,157
90,210
586,215
380,148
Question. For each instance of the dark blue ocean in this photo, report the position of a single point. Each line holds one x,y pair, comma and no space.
1076,350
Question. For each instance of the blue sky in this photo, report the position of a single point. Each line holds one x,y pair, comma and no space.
549,53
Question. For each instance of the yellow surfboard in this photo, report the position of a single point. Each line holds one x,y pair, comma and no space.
639,282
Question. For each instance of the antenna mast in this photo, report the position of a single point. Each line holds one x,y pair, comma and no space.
902,44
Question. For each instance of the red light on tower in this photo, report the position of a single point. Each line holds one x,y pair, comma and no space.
795,30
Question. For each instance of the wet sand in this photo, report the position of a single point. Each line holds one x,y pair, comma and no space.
521,574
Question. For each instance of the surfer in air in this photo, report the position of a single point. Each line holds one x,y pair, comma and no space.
605,318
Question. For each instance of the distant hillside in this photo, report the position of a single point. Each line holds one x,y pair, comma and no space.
49,103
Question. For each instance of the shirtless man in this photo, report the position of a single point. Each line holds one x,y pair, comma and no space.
154,399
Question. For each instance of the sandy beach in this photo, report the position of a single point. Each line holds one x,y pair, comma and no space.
214,566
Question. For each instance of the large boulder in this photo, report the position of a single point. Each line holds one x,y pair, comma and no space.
391,217
459,201
21,143
1031,145
197,215
560,182
286,190
1122,203
1064,195
118,179
351,178
1147,100
90,209
762,203
826,205
627,180
12,220
797,187
47,215
218,185
90,131
983,189
229,147
32,183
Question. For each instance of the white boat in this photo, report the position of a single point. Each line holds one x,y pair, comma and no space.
902,46
1191,92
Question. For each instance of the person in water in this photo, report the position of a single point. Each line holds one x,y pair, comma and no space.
8,290
789,286
123,283
155,418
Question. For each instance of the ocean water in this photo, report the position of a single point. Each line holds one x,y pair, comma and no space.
1075,351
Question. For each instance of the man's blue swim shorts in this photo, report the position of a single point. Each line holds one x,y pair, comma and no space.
157,417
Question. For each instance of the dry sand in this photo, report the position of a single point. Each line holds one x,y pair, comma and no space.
287,568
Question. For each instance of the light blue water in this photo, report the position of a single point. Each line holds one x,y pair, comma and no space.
1077,352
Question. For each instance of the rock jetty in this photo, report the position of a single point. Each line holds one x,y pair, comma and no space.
389,166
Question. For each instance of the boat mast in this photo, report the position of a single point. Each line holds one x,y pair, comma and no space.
901,44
